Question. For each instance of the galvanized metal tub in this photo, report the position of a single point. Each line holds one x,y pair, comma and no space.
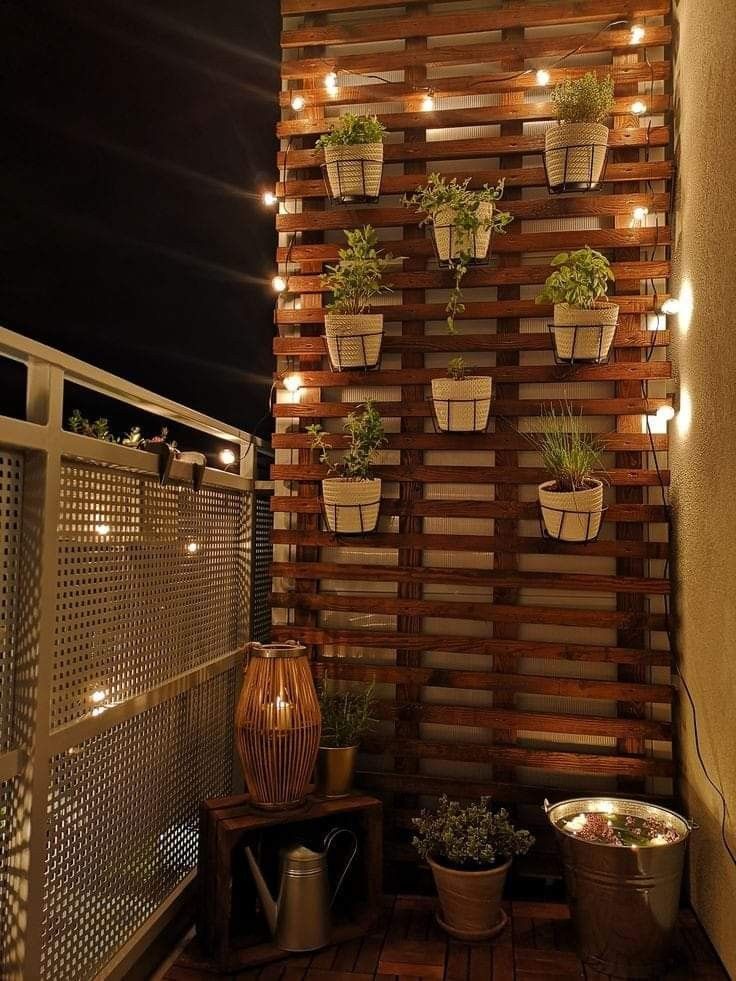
624,900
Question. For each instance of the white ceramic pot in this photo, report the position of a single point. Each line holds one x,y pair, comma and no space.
351,506
462,406
572,516
574,155
584,335
354,172
451,241
354,340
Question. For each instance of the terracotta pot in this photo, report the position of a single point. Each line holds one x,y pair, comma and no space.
572,516
584,335
354,340
574,155
470,902
351,506
354,172
335,770
462,406
451,241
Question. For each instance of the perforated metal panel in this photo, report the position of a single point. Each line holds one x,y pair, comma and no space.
150,583
8,904
262,557
11,498
123,823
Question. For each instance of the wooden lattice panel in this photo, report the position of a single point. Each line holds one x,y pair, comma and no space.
506,663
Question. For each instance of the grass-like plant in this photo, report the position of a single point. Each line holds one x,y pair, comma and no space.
366,433
583,100
469,837
580,278
351,129
570,455
347,714
358,276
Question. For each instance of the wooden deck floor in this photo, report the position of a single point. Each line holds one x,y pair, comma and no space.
407,944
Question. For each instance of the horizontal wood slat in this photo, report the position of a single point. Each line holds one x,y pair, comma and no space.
467,474
501,407
614,442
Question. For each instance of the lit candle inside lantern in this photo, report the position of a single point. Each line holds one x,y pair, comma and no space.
278,714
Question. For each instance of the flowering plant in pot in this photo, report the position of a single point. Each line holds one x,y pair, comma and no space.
353,150
584,321
469,849
575,149
352,498
353,333
572,500
347,716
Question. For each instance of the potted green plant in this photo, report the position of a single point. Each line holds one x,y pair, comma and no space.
347,716
584,321
353,150
352,498
353,333
469,849
462,402
575,149
571,501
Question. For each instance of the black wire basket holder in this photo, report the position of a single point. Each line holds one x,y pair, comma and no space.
336,508
448,403
602,357
466,237
569,186
340,340
341,169
589,515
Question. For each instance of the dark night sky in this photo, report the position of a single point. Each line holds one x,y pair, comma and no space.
136,137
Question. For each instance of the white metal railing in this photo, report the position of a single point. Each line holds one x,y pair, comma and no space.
118,668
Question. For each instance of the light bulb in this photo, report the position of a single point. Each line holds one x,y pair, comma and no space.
428,102
227,457
269,199
671,306
640,213
98,696
331,82
278,283
102,529
292,382
192,548
665,413
638,108
298,103
543,76
637,33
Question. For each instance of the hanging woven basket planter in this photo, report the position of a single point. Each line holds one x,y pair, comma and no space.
571,516
354,340
461,405
351,505
451,241
575,156
584,334
353,173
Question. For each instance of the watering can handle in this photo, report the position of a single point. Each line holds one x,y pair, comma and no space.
327,844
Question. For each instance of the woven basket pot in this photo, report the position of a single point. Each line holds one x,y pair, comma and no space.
354,340
470,902
574,155
594,335
354,171
572,516
462,406
351,506
451,241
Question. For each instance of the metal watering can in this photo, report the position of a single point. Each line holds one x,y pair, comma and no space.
300,918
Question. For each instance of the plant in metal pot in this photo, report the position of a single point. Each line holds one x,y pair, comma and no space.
347,716
353,333
575,149
571,501
469,849
353,149
352,498
584,321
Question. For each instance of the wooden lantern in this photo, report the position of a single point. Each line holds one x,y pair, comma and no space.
277,725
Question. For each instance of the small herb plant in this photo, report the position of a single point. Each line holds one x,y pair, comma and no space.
437,197
347,715
358,276
470,837
580,279
584,100
365,430
457,369
570,455
351,129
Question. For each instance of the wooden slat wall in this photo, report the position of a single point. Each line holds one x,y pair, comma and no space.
505,662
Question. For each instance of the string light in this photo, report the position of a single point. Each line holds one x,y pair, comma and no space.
192,548
227,457
665,413
292,383
98,697
269,199
298,103
102,529
640,213
331,82
428,101
543,77
637,33
671,306
278,283
638,108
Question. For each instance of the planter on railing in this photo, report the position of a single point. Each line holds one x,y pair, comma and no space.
461,405
351,505
571,516
354,340
353,173
575,156
584,335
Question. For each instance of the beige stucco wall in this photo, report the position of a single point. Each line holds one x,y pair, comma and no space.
704,435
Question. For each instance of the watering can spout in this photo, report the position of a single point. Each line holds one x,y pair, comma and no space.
267,902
